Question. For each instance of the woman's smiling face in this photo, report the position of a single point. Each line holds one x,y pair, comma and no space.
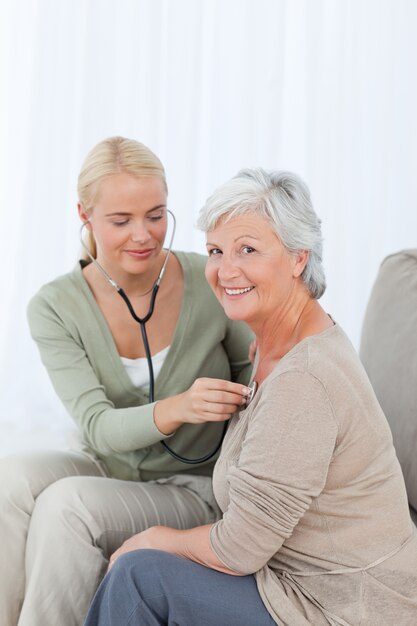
249,270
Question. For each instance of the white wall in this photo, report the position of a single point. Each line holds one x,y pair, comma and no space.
326,88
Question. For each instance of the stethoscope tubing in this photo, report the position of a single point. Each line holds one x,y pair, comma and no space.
142,323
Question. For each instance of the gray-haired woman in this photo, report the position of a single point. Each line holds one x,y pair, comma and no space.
315,527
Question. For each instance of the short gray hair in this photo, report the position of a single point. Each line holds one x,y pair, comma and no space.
284,200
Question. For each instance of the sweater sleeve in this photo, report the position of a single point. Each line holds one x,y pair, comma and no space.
106,429
282,467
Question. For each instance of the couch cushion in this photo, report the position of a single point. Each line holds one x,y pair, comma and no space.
389,353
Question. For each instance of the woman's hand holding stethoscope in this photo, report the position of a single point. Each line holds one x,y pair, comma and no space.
207,400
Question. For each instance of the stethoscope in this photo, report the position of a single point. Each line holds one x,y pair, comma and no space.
142,323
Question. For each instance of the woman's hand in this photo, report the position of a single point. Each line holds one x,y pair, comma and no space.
148,539
207,400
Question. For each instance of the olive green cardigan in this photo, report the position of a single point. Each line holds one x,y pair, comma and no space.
115,418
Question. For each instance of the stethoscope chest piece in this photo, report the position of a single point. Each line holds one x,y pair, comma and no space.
253,389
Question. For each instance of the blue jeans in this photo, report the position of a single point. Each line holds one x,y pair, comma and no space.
154,588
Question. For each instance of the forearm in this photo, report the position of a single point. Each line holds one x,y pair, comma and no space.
119,430
192,544
165,415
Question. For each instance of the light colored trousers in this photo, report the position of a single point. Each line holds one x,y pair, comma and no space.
60,520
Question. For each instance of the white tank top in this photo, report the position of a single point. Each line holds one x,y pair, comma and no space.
137,369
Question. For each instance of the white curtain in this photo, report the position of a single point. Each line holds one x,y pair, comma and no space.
326,88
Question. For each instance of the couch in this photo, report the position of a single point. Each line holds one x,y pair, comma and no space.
389,353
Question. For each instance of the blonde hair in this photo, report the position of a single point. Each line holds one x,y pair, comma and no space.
111,156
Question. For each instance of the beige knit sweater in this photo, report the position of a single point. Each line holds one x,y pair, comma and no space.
313,495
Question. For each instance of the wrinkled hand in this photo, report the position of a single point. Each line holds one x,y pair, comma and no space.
207,400
150,539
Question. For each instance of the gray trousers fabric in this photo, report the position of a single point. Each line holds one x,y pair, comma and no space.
61,519
154,588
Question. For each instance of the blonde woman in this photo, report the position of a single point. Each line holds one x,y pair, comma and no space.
63,514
